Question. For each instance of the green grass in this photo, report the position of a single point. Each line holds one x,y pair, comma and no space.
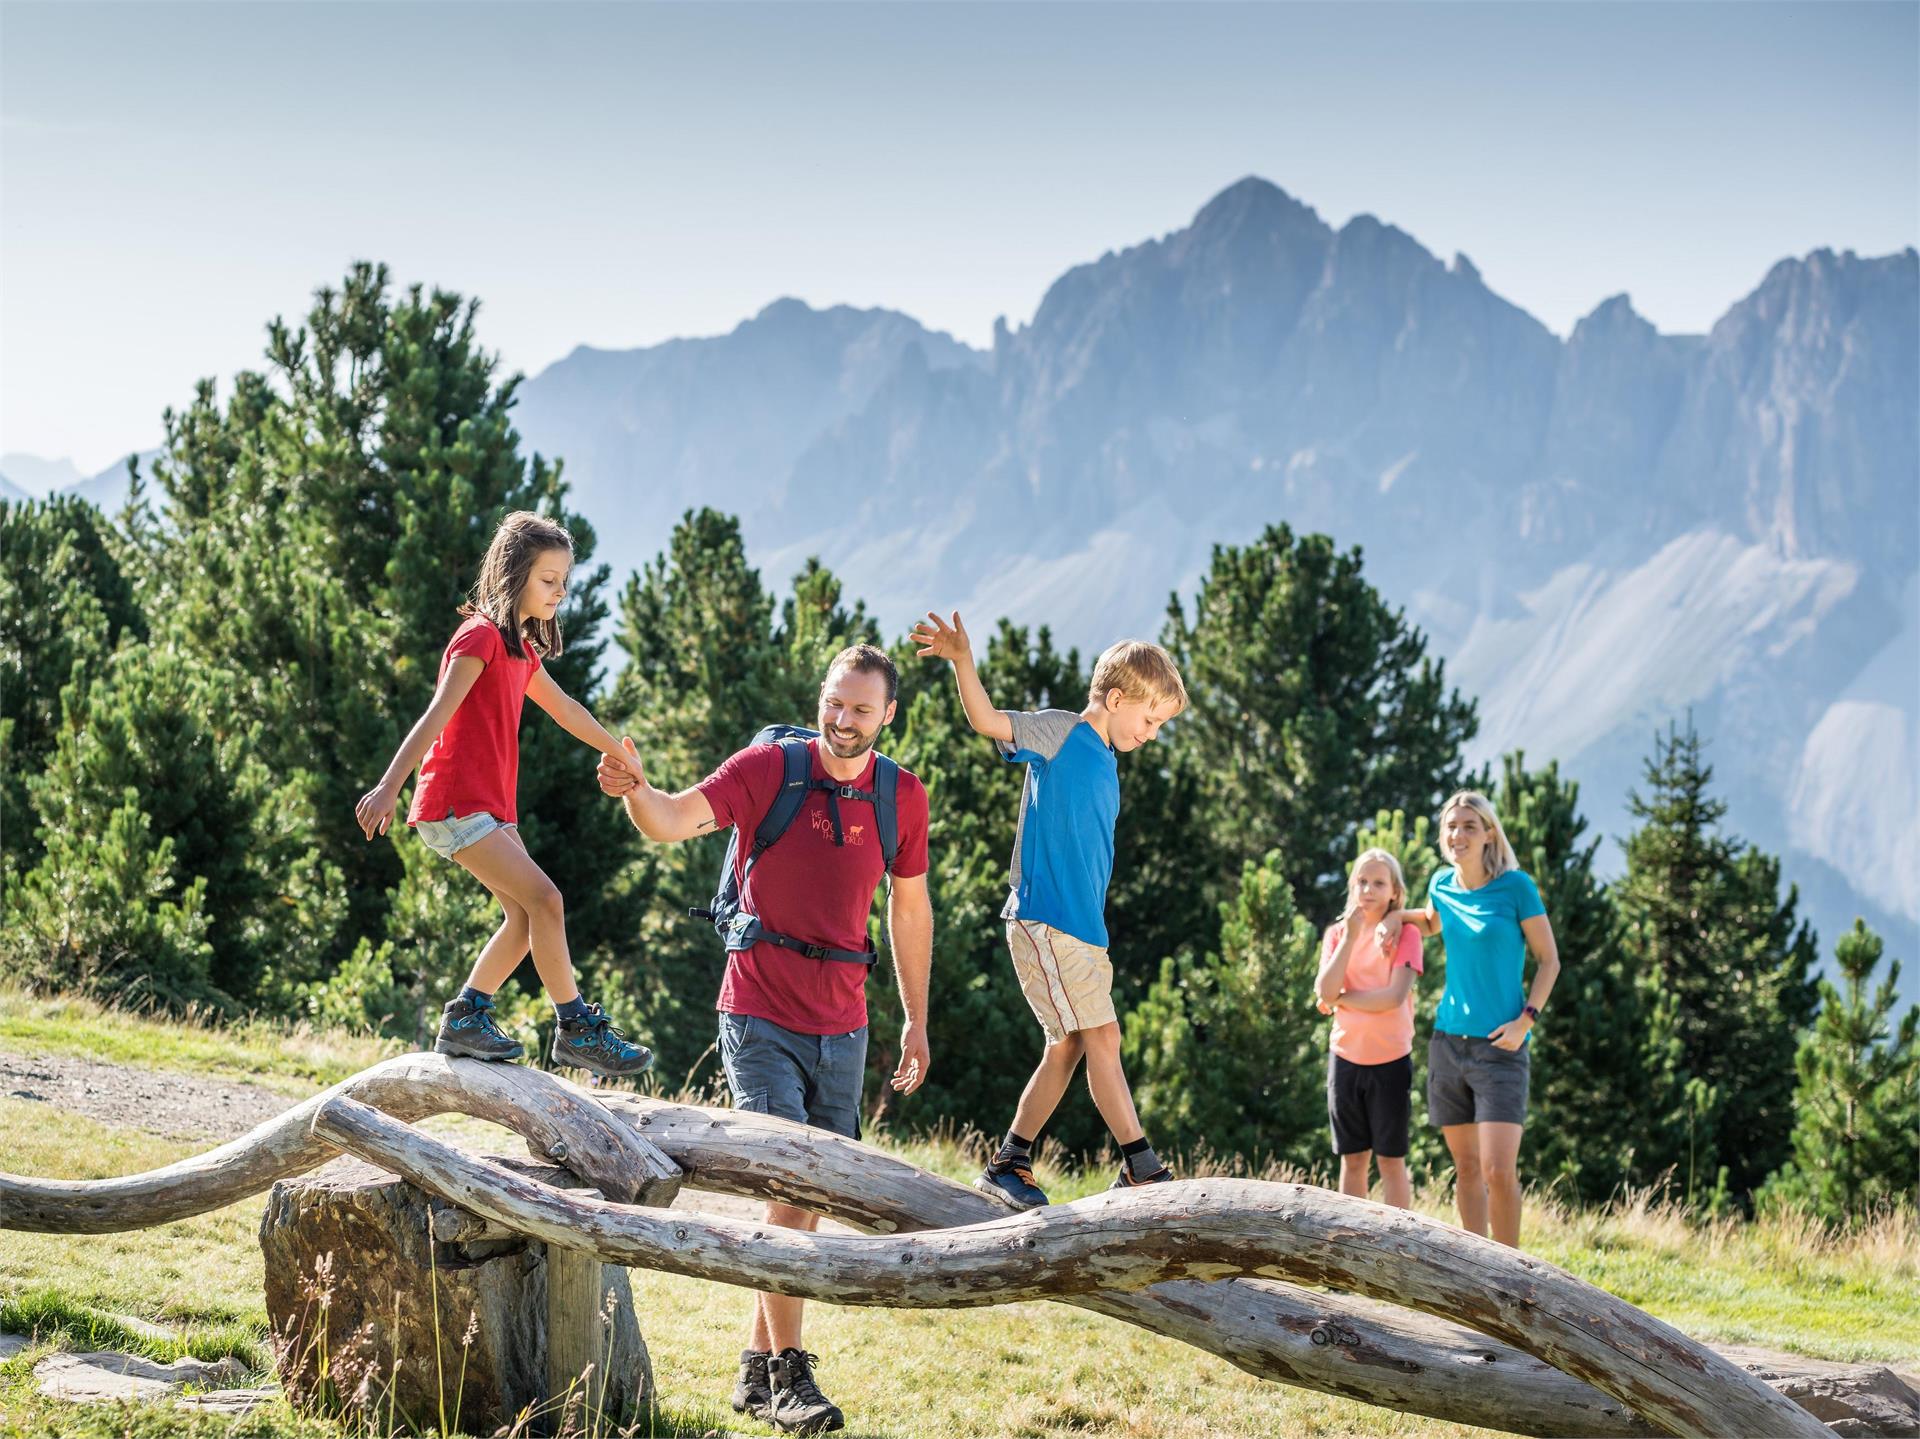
1034,1371
290,1058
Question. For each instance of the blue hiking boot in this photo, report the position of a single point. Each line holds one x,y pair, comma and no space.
469,1030
592,1043
1012,1180
1125,1180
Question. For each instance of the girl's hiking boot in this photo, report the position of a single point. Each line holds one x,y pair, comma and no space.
753,1393
1012,1180
469,1030
1125,1180
592,1043
798,1406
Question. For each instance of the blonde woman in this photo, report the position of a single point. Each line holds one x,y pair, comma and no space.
1488,911
1369,992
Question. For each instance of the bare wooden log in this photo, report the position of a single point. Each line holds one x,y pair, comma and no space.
557,1121
1334,1343
1339,1344
1196,1229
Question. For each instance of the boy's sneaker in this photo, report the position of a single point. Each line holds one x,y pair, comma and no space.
798,1405
1125,1179
469,1030
1012,1180
753,1393
593,1043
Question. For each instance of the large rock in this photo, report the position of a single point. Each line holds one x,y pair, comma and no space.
363,1299
106,1376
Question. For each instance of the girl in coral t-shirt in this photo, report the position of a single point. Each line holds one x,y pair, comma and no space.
1370,996
467,746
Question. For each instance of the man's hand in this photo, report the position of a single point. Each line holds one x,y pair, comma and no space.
620,774
914,1059
1511,1035
942,641
375,809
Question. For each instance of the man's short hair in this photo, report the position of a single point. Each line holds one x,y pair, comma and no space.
869,660
1141,671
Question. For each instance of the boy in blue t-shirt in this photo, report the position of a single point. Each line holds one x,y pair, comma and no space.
1062,861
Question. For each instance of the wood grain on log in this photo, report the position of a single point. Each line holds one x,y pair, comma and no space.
1341,1344
1195,1229
557,1122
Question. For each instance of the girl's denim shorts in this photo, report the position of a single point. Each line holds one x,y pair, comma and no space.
447,837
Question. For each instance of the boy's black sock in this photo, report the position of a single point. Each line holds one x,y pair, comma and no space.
469,995
575,1008
1140,1159
1015,1147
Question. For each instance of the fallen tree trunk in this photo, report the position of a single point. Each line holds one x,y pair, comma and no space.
558,1122
1356,1348
1196,1229
1332,1343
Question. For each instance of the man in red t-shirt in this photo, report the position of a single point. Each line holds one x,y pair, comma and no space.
793,1029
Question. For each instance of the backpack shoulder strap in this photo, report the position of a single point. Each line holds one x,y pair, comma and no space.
796,764
886,807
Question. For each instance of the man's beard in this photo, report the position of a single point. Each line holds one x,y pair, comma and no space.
842,749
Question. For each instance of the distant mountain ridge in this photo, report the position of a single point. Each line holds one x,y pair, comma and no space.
1599,533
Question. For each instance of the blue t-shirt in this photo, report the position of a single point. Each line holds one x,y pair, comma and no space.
1063,849
1486,952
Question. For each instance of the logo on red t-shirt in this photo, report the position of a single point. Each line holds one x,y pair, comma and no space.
856,834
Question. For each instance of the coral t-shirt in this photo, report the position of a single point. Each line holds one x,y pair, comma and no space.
474,764
1373,1036
808,887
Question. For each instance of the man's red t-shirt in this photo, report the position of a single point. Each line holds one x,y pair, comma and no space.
474,764
807,887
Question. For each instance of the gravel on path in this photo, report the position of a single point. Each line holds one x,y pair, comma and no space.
179,1106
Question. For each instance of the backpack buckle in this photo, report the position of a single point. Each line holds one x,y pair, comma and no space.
816,951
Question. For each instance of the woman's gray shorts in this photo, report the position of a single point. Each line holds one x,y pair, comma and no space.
808,1078
1470,1081
447,837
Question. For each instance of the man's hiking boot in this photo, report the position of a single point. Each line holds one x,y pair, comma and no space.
753,1392
798,1405
1012,1180
1125,1180
593,1043
468,1029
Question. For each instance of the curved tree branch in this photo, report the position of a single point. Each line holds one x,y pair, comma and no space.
1195,1229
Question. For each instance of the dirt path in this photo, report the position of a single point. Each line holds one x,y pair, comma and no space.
179,1106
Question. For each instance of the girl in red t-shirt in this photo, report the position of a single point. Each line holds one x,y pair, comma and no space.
467,746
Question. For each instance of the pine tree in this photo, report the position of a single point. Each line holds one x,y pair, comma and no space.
152,746
1315,705
65,604
1227,1053
1589,1087
1721,963
1856,1143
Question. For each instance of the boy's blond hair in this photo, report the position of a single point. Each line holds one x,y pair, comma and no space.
1141,671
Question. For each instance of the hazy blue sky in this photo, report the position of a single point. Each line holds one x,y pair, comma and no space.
172,176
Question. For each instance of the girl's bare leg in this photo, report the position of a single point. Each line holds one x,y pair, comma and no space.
502,864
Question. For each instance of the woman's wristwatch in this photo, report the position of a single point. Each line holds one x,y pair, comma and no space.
1532,1011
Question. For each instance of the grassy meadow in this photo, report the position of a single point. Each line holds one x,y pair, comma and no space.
1028,1370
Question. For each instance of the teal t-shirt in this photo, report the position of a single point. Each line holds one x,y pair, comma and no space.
1486,951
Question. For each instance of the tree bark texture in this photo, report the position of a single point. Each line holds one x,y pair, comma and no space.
370,1314
1195,1229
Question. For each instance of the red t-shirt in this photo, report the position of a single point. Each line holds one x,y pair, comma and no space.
809,888
474,764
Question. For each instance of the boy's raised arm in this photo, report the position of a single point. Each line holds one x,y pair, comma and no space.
942,641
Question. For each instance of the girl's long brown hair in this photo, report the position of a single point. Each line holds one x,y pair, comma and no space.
521,539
